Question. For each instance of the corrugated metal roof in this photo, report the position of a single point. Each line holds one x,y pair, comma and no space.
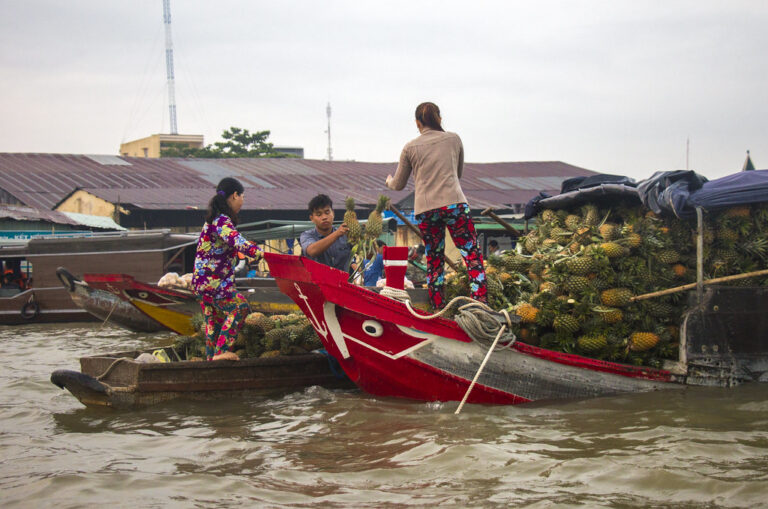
31,214
56,217
43,180
102,222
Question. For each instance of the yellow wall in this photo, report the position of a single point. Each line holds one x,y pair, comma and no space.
150,146
83,202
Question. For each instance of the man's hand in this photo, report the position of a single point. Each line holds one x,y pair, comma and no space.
344,229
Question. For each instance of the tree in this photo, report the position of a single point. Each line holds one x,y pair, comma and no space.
237,142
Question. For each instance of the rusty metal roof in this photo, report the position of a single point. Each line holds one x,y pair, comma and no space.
43,180
20,213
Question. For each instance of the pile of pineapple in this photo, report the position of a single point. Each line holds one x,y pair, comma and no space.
261,336
573,281
361,238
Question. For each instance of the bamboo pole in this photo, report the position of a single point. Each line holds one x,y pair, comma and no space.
691,286
413,228
490,213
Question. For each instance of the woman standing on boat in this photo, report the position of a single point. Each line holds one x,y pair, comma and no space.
213,280
436,159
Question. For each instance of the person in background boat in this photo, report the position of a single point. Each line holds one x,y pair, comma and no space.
493,248
436,159
213,280
373,268
324,243
417,267
13,276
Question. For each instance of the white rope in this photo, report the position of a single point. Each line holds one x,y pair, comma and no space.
480,369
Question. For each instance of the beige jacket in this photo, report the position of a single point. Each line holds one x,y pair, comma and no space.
436,159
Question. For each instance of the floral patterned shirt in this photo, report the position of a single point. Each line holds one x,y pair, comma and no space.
216,256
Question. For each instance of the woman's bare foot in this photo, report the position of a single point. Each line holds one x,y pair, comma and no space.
226,356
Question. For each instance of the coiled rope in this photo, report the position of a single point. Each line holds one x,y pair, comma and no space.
480,322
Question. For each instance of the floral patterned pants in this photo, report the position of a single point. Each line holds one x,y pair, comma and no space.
432,225
223,321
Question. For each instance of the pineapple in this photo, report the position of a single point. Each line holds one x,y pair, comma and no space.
576,284
727,235
565,323
527,312
642,341
608,231
515,263
679,269
580,265
612,249
549,216
633,240
350,219
592,343
608,314
261,321
591,215
572,222
668,256
616,297
375,224
741,211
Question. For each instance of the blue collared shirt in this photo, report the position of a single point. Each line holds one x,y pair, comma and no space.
337,255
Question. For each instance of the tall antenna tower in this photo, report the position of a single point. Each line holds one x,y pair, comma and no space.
169,65
328,114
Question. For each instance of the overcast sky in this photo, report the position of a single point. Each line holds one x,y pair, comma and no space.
611,86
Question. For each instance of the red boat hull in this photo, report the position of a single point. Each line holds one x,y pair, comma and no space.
387,351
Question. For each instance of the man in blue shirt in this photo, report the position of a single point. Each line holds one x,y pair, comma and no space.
324,243
374,269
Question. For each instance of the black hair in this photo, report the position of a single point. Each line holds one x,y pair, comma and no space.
380,243
319,202
493,243
218,204
429,116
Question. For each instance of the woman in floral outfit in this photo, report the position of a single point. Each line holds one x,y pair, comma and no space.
436,159
213,280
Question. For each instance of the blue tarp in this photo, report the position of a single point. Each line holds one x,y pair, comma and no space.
666,192
680,192
740,188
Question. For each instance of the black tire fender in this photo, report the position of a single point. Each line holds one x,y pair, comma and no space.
30,310
66,278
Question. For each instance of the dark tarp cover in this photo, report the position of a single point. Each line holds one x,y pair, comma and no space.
680,192
741,188
667,192
580,190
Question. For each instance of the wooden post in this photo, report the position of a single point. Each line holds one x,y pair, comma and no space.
490,213
413,228
700,256
691,286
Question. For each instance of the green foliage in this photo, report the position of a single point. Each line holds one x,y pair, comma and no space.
238,142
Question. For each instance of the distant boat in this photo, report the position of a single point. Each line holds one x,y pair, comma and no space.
147,255
107,306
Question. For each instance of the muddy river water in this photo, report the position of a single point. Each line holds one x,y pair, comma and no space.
699,447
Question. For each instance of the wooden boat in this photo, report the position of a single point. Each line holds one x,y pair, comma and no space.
145,255
107,306
118,381
174,307
388,350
